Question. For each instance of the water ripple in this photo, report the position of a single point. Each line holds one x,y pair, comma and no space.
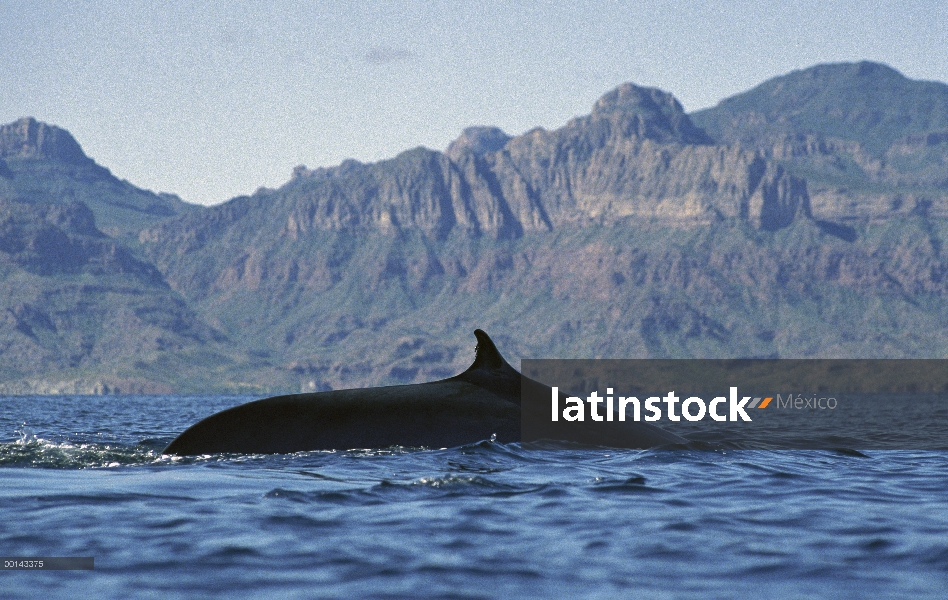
484,520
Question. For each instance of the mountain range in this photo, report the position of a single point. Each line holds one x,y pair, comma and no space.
802,218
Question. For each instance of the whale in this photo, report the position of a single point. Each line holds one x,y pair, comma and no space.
482,403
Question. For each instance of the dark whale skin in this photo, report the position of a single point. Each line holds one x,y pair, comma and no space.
482,402
437,415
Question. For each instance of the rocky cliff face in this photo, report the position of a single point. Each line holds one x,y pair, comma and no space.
870,142
49,239
41,163
634,231
635,161
626,232
76,299
637,155
28,138
80,307
865,102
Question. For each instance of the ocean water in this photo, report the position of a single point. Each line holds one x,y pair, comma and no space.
84,476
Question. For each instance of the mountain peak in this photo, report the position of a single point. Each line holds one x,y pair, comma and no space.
479,140
865,102
29,138
653,113
630,97
865,68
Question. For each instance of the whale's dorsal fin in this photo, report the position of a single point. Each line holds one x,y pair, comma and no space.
490,371
486,355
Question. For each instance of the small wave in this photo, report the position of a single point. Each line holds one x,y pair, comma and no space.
453,481
849,452
386,490
450,485
347,497
32,451
634,484
493,449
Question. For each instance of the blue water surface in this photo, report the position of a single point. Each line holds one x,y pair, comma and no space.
84,476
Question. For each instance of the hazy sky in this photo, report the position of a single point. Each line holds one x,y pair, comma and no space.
210,100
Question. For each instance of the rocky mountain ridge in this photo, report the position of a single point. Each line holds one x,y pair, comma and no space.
636,155
866,102
41,163
869,141
31,139
80,306
635,231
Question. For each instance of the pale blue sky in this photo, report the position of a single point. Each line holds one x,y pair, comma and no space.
213,99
